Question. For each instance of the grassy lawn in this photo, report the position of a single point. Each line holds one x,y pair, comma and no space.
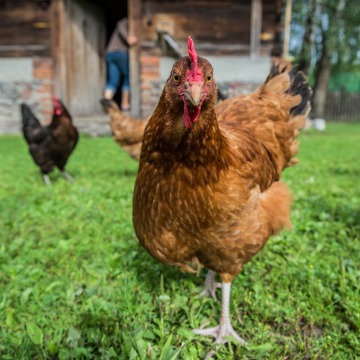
75,283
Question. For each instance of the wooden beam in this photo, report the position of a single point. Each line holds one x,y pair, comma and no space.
58,33
134,18
255,27
288,10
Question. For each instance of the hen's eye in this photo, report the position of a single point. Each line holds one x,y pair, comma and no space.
208,78
176,78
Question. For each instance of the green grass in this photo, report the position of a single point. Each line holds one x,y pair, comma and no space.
75,283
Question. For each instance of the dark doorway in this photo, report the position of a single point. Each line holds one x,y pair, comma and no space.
114,11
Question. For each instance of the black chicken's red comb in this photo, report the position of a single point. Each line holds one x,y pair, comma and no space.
57,106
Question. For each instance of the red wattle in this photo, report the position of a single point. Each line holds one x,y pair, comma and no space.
188,119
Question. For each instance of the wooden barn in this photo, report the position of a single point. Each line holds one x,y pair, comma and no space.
57,47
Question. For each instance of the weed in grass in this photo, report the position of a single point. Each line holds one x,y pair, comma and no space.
75,284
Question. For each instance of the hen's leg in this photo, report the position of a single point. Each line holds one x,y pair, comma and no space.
225,328
211,285
67,176
46,179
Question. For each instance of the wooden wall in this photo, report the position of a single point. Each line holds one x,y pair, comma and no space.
208,21
24,29
215,25
69,37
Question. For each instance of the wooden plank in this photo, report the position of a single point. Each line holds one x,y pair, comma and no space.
224,27
255,31
79,42
23,23
288,10
86,75
230,23
135,20
58,50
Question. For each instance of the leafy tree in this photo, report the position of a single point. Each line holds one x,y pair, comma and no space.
304,61
330,42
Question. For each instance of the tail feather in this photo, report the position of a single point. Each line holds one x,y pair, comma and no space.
29,120
290,90
109,105
33,131
284,80
127,130
277,69
300,86
275,113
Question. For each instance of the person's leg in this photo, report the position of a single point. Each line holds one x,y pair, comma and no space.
113,75
124,69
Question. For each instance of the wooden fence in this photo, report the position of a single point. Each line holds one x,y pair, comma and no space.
342,106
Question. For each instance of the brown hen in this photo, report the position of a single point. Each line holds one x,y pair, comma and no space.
208,190
127,131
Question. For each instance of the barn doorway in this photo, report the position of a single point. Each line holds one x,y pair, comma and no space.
114,11
82,29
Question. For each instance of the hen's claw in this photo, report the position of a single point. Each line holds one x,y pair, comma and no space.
211,285
67,176
220,333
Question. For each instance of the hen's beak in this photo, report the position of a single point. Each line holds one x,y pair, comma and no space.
193,92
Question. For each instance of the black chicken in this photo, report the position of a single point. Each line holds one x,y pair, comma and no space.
50,145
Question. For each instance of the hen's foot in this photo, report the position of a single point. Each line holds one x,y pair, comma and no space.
224,329
211,285
210,355
46,180
221,333
67,176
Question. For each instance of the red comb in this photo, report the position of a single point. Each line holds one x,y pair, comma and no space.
196,73
192,53
57,106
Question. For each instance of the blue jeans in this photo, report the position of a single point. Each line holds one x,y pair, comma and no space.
117,69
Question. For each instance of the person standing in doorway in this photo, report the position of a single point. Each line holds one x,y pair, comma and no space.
117,61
